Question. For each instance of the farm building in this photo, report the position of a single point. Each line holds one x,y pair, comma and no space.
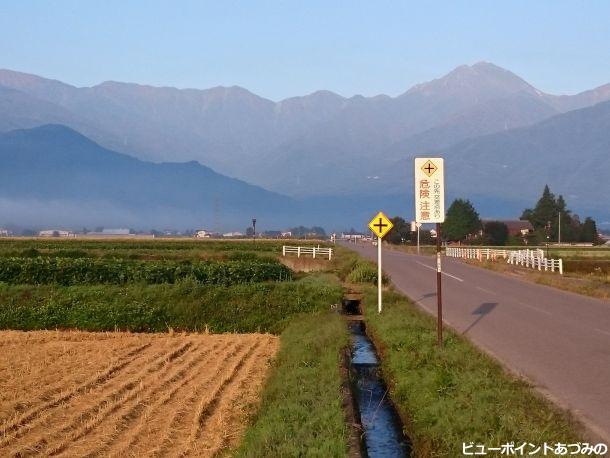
233,234
205,234
55,233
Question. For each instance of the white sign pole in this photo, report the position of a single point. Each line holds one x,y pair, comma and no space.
380,225
379,274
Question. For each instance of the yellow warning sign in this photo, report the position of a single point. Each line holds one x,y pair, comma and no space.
380,225
429,168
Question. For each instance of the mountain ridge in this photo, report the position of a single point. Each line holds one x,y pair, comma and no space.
241,134
317,145
56,163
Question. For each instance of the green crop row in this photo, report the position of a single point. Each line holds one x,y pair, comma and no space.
185,306
12,245
68,271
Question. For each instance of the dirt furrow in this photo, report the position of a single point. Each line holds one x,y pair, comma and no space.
84,421
23,419
223,428
37,429
209,402
128,395
54,379
175,430
134,418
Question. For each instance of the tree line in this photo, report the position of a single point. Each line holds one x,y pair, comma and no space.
549,217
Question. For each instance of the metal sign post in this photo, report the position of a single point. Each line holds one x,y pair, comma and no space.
430,208
379,274
439,287
380,225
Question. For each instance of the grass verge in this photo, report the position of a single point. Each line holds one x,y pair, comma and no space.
301,413
587,284
185,306
455,394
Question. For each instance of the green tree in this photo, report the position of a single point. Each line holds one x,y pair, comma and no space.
302,231
400,233
462,221
570,225
319,231
589,232
425,238
496,232
547,216
544,211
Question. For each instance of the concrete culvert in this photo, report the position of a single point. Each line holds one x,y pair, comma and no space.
351,306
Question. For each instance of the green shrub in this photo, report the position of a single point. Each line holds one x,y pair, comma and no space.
30,253
68,271
365,272
70,254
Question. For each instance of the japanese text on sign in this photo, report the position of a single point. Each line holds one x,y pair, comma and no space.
429,190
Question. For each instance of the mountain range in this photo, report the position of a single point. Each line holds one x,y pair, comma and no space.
54,174
319,154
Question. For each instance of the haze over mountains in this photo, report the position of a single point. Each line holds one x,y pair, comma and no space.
503,139
56,174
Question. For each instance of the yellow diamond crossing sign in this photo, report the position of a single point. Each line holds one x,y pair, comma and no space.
429,168
380,225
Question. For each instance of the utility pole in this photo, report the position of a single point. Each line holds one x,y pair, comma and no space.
548,237
253,229
559,228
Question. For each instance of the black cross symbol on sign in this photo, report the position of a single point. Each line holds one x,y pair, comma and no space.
380,225
430,168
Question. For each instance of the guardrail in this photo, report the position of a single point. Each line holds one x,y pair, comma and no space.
307,250
528,258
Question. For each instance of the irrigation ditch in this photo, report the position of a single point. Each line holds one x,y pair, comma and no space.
377,419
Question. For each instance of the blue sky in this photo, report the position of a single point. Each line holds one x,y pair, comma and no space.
279,49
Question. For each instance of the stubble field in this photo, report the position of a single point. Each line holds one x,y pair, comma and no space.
121,394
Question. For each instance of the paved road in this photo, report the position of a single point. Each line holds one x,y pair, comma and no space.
559,340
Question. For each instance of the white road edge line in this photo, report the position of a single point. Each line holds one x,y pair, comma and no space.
444,273
486,291
534,308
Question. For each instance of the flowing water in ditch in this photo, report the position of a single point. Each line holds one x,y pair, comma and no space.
383,435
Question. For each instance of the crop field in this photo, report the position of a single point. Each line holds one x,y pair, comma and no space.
584,260
156,249
153,286
108,348
117,394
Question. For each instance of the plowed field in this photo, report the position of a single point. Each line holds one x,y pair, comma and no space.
119,394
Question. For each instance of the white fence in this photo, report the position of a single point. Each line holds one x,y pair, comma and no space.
315,252
528,258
